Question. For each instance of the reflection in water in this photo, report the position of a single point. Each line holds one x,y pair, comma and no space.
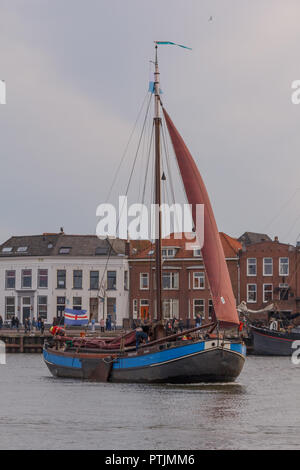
38,411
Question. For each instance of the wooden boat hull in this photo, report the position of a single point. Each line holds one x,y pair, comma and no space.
272,343
202,361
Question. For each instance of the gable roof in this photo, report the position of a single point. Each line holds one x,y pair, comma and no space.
248,238
231,246
51,244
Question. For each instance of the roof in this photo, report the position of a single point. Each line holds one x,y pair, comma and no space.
231,246
51,244
248,238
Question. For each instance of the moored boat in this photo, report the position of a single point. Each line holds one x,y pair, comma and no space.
267,342
195,355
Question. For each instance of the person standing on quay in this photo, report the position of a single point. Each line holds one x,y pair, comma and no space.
42,326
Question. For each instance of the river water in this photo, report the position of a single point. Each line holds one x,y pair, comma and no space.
260,411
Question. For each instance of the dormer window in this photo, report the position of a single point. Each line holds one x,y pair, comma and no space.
22,249
7,249
168,252
101,250
64,250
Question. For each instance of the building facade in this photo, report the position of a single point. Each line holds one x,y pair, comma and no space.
270,274
185,288
41,275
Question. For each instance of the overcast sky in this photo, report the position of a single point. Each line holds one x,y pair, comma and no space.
76,74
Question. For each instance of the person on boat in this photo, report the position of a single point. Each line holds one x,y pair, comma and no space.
274,325
140,336
198,320
57,330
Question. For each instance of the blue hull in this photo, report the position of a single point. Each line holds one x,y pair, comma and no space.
201,361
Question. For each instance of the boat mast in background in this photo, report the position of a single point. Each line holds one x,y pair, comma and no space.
158,260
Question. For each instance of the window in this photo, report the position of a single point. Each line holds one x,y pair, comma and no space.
61,278
268,292
101,250
144,281
22,249
168,252
60,306
210,309
77,302
199,307
198,280
197,252
94,280
125,280
251,293
10,279
135,308
170,280
283,266
111,307
7,249
42,306
251,266
170,308
43,278
111,280
26,278
268,267
64,250
10,309
283,291
77,279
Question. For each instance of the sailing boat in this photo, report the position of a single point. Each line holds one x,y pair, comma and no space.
186,357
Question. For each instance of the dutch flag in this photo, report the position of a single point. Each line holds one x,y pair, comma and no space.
75,317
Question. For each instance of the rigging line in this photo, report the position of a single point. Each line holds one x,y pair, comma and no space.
147,166
292,226
126,148
165,143
148,136
128,185
281,208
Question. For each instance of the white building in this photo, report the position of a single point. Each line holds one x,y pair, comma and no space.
40,275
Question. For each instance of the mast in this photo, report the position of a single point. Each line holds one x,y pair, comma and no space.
157,125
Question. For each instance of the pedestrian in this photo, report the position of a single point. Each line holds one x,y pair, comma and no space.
198,320
26,325
12,322
93,324
181,325
33,324
42,326
17,323
102,325
1,322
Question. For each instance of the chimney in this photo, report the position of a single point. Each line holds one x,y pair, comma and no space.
276,239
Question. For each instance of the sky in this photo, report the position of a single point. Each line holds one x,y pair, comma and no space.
77,72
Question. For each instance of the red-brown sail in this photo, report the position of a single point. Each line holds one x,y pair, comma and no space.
212,250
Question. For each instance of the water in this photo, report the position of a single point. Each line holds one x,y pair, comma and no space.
260,411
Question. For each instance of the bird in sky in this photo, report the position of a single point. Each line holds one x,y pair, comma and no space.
210,18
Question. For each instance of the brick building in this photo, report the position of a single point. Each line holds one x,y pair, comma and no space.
185,285
268,273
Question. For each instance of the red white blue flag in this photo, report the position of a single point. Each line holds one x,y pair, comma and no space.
76,317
